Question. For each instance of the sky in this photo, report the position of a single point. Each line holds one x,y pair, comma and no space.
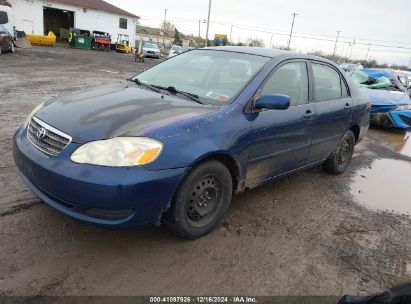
371,24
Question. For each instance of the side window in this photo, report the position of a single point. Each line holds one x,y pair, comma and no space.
291,79
3,18
327,83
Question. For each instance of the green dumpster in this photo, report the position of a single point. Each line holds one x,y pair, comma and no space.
83,42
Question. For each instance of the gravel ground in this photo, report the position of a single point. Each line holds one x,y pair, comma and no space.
304,234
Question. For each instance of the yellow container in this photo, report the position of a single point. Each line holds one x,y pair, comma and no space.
49,40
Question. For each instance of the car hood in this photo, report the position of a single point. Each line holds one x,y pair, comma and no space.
386,98
116,110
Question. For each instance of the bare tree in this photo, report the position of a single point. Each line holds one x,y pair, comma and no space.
168,27
256,42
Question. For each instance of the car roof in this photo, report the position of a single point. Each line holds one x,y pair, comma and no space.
250,50
271,53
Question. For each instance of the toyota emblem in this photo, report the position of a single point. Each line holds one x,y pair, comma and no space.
41,133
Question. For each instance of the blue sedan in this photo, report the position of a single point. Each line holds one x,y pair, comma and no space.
174,143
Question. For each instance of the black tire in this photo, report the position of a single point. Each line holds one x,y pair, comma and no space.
201,200
339,160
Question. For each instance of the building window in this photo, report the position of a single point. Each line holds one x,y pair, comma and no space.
3,18
123,23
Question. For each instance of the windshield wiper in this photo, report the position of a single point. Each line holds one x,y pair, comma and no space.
172,89
149,86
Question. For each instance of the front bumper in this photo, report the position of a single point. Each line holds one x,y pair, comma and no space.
99,195
152,55
396,119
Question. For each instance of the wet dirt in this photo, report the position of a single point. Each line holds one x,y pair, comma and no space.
384,186
304,234
397,140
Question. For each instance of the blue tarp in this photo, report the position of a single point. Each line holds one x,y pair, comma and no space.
378,73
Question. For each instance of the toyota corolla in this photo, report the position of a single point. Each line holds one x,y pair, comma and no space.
174,143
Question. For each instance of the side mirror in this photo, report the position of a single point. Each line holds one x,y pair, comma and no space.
273,102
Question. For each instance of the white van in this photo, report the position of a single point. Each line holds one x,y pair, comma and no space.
6,19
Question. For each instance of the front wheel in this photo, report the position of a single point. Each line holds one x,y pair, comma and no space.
339,160
201,200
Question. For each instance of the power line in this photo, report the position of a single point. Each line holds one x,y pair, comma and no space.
315,37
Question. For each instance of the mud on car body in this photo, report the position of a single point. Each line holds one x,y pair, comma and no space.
390,100
178,140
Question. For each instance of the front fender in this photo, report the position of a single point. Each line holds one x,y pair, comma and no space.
226,131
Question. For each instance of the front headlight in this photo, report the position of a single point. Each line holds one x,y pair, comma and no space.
404,107
118,152
36,109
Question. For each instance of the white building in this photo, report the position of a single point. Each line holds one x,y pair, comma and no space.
154,35
41,16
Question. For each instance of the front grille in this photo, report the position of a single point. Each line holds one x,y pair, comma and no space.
46,138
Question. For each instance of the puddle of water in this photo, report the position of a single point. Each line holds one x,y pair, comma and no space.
400,141
386,186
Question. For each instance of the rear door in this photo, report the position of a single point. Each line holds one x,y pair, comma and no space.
281,139
334,109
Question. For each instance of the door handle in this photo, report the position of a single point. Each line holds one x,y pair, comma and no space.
308,114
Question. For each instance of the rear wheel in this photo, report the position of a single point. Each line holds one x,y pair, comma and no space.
339,160
201,200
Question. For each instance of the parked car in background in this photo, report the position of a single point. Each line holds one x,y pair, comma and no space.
405,78
179,139
6,41
350,67
151,50
176,49
391,103
6,19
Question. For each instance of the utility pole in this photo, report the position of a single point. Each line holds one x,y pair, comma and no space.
348,49
292,27
208,22
165,18
352,46
336,41
271,41
231,31
199,32
368,51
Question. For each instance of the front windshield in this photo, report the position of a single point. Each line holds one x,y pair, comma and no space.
216,77
151,46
